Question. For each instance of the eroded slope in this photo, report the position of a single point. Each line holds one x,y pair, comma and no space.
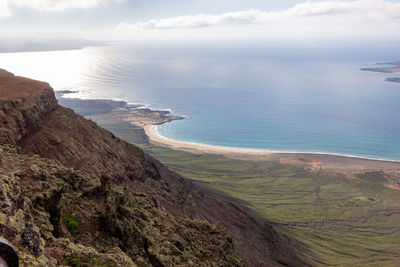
90,195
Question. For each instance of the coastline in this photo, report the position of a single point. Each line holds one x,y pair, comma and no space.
392,67
315,159
148,119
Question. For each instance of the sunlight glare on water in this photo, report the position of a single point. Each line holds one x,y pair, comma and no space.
62,69
310,101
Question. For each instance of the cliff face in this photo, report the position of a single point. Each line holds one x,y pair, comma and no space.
23,104
90,198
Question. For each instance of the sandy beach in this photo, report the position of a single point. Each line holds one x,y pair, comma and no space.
316,160
148,120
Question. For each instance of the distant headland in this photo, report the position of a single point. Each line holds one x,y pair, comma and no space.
391,67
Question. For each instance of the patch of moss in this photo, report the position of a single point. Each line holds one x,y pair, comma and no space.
70,221
184,257
73,260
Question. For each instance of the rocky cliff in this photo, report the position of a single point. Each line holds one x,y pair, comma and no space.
73,194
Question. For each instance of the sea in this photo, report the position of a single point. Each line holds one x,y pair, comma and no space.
279,97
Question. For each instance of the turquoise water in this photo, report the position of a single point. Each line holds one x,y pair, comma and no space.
311,100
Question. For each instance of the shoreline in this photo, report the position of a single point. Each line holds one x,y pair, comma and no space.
157,138
148,119
391,67
316,159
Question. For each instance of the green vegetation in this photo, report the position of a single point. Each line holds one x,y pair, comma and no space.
75,260
70,221
183,257
343,219
375,176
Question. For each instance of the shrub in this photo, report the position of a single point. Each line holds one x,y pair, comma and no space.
70,221
183,256
73,260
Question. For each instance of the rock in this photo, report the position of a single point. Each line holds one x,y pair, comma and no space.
23,103
30,240
86,198
5,73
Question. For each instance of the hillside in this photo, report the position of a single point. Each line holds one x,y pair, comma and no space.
74,194
346,210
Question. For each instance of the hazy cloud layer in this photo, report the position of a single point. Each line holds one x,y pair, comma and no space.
368,19
4,10
59,5
379,10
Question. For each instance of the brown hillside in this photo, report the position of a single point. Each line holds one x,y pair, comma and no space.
91,196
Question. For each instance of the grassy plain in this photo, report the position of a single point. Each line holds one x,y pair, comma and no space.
344,219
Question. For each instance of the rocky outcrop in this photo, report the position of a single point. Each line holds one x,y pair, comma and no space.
5,73
77,195
53,221
23,103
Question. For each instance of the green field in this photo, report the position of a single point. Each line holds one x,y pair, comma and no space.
344,220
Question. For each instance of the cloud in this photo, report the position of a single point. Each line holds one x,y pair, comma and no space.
202,20
325,11
60,5
4,10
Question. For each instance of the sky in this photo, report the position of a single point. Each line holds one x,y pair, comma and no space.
139,20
